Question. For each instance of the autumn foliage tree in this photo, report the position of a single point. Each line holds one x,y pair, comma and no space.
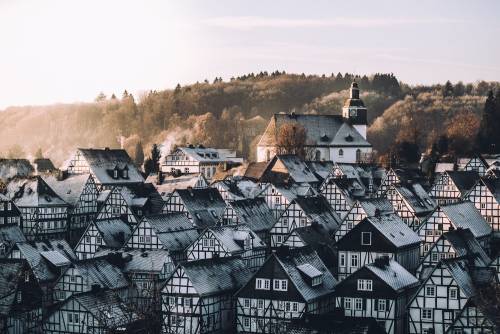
291,138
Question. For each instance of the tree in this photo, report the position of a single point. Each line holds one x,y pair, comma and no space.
408,152
101,97
447,89
139,154
39,154
488,136
155,158
16,152
292,139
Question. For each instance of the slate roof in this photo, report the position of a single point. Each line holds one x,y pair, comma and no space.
394,275
11,234
137,195
70,188
9,279
321,169
255,213
351,188
102,162
464,243
291,259
115,232
208,154
174,230
370,205
205,205
464,180
238,188
217,276
322,130
294,168
171,182
314,235
362,173
494,187
394,229
465,215
468,278
33,192
418,199
319,210
44,165
292,191
255,170
98,271
11,168
232,237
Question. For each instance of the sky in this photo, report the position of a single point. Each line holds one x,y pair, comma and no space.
55,51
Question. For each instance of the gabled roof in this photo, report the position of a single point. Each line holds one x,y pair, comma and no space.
319,210
174,230
352,188
255,213
238,188
102,162
69,188
284,167
209,154
371,205
321,169
322,130
468,278
205,206
393,274
493,186
33,192
419,200
217,276
98,271
11,168
172,182
314,235
44,165
10,272
11,234
291,259
114,231
465,244
394,229
465,215
137,195
464,180
292,191
233,236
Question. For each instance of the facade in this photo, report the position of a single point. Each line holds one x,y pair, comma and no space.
476,164
9,213
278,197
379,290
288,286
451,186
235,189
474,320
486,197
374,237
108,167
10,235
341,193
287,169
224,241
198,296
199,159
166,183
329,137
461,215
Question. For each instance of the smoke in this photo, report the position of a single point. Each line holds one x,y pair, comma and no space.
173,137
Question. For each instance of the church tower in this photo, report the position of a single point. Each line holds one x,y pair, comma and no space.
354,111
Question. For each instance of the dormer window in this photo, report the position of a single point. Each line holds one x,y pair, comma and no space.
365,285
125,173
311,274
115,173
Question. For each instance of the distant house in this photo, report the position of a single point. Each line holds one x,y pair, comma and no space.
108,167
198,296
374,237
108,233
303,211
43,165
44,212
486,197
452,186
235,189
199,159
171,231
289,285
9,213
454,216
91,312
341,193
368,175
203,207
278,197
454,243
224,241
10,235
379,290
12,168
474,319
286,169
339,138
167,183
476,163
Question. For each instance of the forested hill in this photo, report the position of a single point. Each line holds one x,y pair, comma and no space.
233,114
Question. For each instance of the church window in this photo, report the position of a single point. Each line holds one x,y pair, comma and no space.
341,152
317,155
358,155
268,155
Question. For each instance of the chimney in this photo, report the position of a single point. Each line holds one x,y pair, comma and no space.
381,262
159,179
377,212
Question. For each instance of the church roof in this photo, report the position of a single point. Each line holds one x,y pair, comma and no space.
322,130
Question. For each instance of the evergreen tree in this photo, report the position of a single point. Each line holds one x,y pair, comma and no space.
155,158
101,97
447,89
139,154
487,140
39,154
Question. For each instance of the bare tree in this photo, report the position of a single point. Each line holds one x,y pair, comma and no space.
291,138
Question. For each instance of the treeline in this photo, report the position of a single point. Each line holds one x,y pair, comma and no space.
229,114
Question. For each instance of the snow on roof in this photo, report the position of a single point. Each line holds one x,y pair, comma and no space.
98,271
371,205
465,215
69,188
319,210
395,275
33,192
170,182
114,231
10,168
442,167
309,270
55,258
208,154
394,229
255,213
174,230
205,205
233,237
464,243
416,196
295,167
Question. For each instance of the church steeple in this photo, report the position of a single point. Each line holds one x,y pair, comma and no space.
354,110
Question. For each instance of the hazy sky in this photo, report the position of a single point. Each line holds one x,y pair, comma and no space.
69,50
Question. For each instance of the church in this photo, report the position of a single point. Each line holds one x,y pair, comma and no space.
338,138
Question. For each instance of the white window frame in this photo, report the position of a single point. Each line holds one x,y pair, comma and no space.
347,303
357,303
425,312
262,284
280,284
382,305
430,291
363,234
365,285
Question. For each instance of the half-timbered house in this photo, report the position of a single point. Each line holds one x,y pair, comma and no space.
198,296
224,241
171,231
303,211
44,213
92,312
278,197
452,186
341,193
203,207
495,264
374,237
474,319
398,177
235,188
445,292
476,164
107,233
90,275
10,235
12,168
379,290
9,213
108,167
254,213
370,176
166,183
486,197
360,210
290,284
454,216
411,202
80,193
454,243
288,169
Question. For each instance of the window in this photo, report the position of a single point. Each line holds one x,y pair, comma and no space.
246,303
73,318
341,152
430,291
295,307
172,301
382,305
115,174
365,285
347,303
366,238
358,155
287,306
246,322
260,304
317,155
141,239
262,284
280,284
453,293
354,260
434,257
98,240
358,304
9,206
426,314
342,260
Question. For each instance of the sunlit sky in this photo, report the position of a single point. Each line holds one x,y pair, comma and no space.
70,50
